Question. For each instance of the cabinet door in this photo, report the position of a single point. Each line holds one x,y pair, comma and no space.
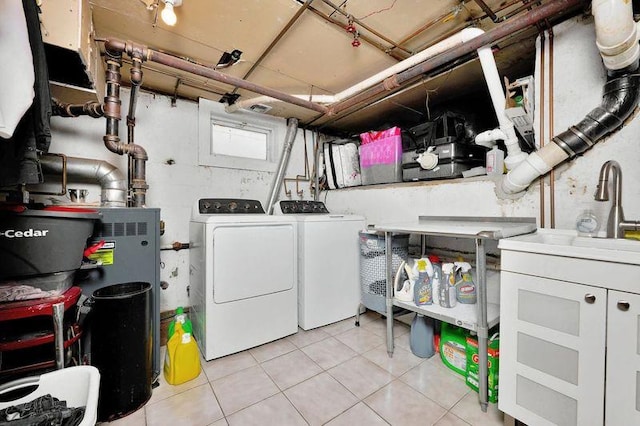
552,351
623,359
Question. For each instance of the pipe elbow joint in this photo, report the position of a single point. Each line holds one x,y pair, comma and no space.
619,100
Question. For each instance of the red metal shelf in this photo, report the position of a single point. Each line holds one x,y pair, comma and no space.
31,308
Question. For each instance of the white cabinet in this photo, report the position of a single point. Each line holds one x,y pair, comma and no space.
623,359
552,356
570,333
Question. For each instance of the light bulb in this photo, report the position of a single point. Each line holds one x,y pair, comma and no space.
168,15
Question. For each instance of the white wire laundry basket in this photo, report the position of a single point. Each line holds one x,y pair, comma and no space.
373,267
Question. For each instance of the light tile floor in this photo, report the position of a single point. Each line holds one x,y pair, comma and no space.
335,375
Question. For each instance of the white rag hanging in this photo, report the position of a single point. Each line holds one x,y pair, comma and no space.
16,67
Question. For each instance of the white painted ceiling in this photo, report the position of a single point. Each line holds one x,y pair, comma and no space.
315,55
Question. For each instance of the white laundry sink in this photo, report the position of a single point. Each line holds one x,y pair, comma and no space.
567,243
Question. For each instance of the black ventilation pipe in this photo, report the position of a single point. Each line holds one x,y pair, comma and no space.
620,98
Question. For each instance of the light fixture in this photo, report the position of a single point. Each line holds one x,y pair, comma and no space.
168,15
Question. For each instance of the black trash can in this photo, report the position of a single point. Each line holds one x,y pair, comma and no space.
121,347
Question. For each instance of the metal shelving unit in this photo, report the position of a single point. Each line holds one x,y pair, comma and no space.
479,317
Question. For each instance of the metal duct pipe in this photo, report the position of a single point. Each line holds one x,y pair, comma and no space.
108,176
112,104
292,130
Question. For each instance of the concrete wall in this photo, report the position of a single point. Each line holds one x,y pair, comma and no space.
579,78
170,135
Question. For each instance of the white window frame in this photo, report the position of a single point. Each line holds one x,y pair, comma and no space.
210,113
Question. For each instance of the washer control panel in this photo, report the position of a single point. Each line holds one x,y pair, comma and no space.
302,206
229,206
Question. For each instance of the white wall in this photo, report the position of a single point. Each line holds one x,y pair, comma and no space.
170,134
579,78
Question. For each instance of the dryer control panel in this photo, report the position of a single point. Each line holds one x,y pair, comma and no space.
229,206
303,206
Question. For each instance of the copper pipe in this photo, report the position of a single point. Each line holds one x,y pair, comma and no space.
170,61
92,108
136,169
490,13
526,6
366,27
542,118
552,175
112,104
275,41
363,37
503,30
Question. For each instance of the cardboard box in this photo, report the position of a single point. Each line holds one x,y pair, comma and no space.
519,105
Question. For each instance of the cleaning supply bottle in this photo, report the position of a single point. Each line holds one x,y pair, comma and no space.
465,287
495,161
180,317
422,294
436,279
447,291
182,360
421,337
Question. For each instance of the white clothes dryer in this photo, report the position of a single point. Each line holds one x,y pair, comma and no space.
328,263
243,276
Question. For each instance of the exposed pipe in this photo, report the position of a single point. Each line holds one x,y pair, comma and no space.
92,108
455,40
366,27
474,44
620,97
552,174
490,13
112,104
112,181
364,37
543,209
292,130
181,64
137,166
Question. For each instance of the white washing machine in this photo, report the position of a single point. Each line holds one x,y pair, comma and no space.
243,276
328,263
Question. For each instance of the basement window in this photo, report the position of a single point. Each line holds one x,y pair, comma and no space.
241,140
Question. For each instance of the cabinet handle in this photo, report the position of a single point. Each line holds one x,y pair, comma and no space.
623,305
589,298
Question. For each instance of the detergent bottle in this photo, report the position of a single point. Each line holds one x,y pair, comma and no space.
447,291
436,279
465,287
180,317
422,294
182,360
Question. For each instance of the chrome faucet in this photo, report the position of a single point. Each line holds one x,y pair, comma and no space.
616,225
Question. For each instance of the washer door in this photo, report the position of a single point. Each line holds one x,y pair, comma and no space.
251,260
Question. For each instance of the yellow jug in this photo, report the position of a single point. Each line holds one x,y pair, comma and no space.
182,360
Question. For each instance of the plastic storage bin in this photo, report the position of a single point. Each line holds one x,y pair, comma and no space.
381,156
373,267
78,386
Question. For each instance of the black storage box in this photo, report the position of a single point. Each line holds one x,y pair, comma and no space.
453,159
36,242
